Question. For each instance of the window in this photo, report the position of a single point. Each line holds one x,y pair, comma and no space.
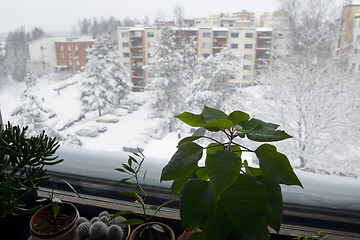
62,48
63,62
62,55
249,35
150,34
234,35
206,34
70,62
126,55
247,57
70,55
76,48
234,45
232,77
124,34
246,77
247,67
126,64
248,46
76,55
136,33
206,45
205,55
69,48
197,22
125,44
149,55
77,62
221,34
278,46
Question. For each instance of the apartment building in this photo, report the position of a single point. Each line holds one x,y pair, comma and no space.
347,26
59,53
354,60
136,45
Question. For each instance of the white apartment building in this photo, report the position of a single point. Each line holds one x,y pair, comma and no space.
354,61
254,44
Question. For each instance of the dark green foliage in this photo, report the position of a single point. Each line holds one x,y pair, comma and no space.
22,162
227,198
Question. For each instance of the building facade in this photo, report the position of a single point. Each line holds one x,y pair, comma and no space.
354,60
47,54
253,44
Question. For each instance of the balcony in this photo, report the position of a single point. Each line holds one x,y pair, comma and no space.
263,47
264,35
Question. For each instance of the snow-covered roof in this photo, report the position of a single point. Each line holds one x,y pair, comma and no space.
67,38
264,29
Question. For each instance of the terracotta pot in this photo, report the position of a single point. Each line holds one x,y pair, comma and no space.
68,233
167,229
185,234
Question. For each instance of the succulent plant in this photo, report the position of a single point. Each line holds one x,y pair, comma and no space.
104,213
98,231
116,221
94,220
80,221
115,232
84,230
104,219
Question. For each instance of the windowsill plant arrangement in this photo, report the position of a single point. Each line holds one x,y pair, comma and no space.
226,198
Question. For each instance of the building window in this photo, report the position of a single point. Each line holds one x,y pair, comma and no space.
206,34
278,46
70,62
247,57
149,55
70,55
76,55
62,55
149,45
249,35
136,34
76,48
234,35
62,48
221,34
150,34
205,55
77,62
125,44
232,77
248,46
234,45
197,22
63,62
126,55
126,64
246,77
124,34
247,67
206,45
69,48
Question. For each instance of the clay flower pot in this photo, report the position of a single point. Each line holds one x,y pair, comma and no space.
168,231
67,233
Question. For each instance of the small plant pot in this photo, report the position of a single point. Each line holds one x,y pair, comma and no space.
168,231
185,234
69,232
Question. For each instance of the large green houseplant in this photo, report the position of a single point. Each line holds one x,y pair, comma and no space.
227,198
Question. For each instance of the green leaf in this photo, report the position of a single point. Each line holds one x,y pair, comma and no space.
153,207
274,211
238,117
263,134
157,227
213,147
183,163
211,114
134,195
276,165
223,168
253,123
133,222
245,204
197,203
191,119
217,125
219,225
121,213
197,236
56,208
264,234
124,181
250,170
177,185
71,187
188,139
202,174
128,168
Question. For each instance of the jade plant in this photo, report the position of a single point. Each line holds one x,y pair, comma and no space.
22,162
132,169
226,197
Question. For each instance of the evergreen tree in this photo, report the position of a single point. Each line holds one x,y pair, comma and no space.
106,82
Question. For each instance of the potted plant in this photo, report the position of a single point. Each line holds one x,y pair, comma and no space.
147,229
56,220
225,197
22,161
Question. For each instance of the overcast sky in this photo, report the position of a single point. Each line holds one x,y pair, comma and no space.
62,15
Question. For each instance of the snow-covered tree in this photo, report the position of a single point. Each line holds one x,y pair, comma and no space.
31,111
211,85
107,82
172,65
310,94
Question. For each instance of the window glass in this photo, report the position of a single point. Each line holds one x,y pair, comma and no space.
125,34
206,34
150,34
126,54
248,46
234,35
125,44
234,45
206,45
249,35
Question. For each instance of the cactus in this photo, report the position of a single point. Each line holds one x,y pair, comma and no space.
104,213
94,220
84,230
105,220
117,221
115,233
80,221
98,231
